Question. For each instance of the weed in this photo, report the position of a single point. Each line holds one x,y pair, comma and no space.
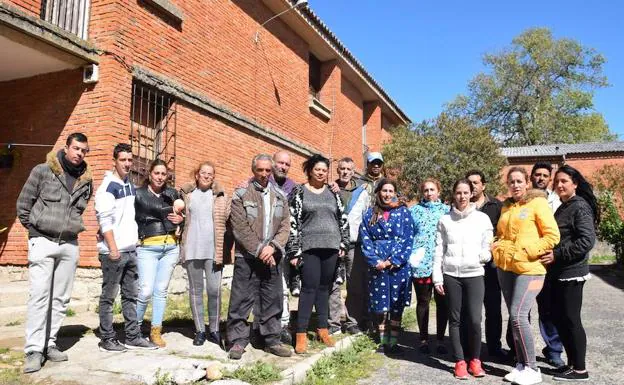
14,323
347,366
602,259
162,378
409,318
70,312
116,308
256,374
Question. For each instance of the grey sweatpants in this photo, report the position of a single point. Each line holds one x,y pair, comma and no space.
198,270
336,306
51,270
520,292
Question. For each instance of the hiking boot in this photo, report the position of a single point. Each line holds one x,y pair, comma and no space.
460,371
323,336
285,336
140,344
280,350
55,355
301,346
111,345
236,352
511,376
474,368
335,330
200,338
528,376
353,330
571,375
156,336
33,361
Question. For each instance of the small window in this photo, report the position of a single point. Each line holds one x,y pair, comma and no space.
315,76
152,130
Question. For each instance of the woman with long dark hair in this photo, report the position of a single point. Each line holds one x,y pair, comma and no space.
387,234
462,247
319,234
526,230
568,269
158,252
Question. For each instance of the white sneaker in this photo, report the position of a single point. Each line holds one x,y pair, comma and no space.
528,376
511,376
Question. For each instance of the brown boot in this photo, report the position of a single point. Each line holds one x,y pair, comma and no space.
301,345
156,338
324,337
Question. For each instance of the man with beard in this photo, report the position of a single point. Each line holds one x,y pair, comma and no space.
50,207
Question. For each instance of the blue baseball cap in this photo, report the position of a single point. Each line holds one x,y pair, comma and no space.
372,156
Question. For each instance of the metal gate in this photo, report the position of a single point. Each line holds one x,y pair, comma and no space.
152,130
70,15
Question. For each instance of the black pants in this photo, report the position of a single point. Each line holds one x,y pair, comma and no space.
493,314
317,277
464,301
423,298
548,330
568,300
255,284
122,272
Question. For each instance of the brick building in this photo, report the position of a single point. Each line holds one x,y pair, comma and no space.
585,157
182,80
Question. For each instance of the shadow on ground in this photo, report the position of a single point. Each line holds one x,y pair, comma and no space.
610,274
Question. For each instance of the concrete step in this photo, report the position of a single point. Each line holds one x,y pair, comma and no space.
13,293
17,314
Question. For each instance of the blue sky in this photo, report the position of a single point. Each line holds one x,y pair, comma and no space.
424,53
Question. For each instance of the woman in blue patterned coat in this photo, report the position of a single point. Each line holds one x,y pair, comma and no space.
387,233
426,215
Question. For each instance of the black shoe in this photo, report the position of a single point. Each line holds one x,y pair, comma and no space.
140,344
394,350
215,338
424,348
571,375
441,349
354,330
200,338
111,345
55,355
335,330
236,352
285,336
280,350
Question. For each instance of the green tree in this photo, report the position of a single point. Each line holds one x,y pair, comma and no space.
537,91
609,182
445,149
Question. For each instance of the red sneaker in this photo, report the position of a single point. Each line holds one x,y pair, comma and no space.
475,368
460,370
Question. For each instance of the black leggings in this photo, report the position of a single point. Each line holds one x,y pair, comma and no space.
423,298
464,300
317,276
568,300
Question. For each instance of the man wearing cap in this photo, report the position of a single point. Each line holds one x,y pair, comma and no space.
374,171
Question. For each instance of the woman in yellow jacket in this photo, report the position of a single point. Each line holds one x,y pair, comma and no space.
526,230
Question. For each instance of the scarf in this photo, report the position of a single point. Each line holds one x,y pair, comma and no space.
379,208
71,172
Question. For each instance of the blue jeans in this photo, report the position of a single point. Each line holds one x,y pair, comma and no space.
156,265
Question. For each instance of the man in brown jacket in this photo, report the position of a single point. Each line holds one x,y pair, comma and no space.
260,221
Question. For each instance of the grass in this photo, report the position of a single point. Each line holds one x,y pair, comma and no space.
14,323
163,378
11,372
256,374
409,318
602,259
347,366
70,312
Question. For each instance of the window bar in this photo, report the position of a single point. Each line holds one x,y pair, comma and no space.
142,167
132,117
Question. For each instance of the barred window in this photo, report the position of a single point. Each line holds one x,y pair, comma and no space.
152,130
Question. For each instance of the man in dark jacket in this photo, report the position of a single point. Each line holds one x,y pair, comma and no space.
492,299
50,206
260,222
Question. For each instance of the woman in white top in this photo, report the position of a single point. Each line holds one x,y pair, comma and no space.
462,247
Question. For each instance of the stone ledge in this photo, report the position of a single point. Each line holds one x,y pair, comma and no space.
169,8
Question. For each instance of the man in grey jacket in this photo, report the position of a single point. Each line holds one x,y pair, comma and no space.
50,206
260,222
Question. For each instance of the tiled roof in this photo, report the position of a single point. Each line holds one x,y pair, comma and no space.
331,38
561,149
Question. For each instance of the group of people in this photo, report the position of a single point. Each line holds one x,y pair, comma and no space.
308,239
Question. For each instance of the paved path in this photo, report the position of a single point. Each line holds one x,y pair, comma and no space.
603,319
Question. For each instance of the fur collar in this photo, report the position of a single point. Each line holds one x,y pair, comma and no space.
57,169
189,187
528,196
456,214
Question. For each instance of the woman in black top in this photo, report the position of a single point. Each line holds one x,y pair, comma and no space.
158,252
319,234
568,267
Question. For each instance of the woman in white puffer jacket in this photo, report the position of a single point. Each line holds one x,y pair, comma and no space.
463,243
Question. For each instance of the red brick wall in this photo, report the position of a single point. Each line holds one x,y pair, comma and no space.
213,53
32,7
